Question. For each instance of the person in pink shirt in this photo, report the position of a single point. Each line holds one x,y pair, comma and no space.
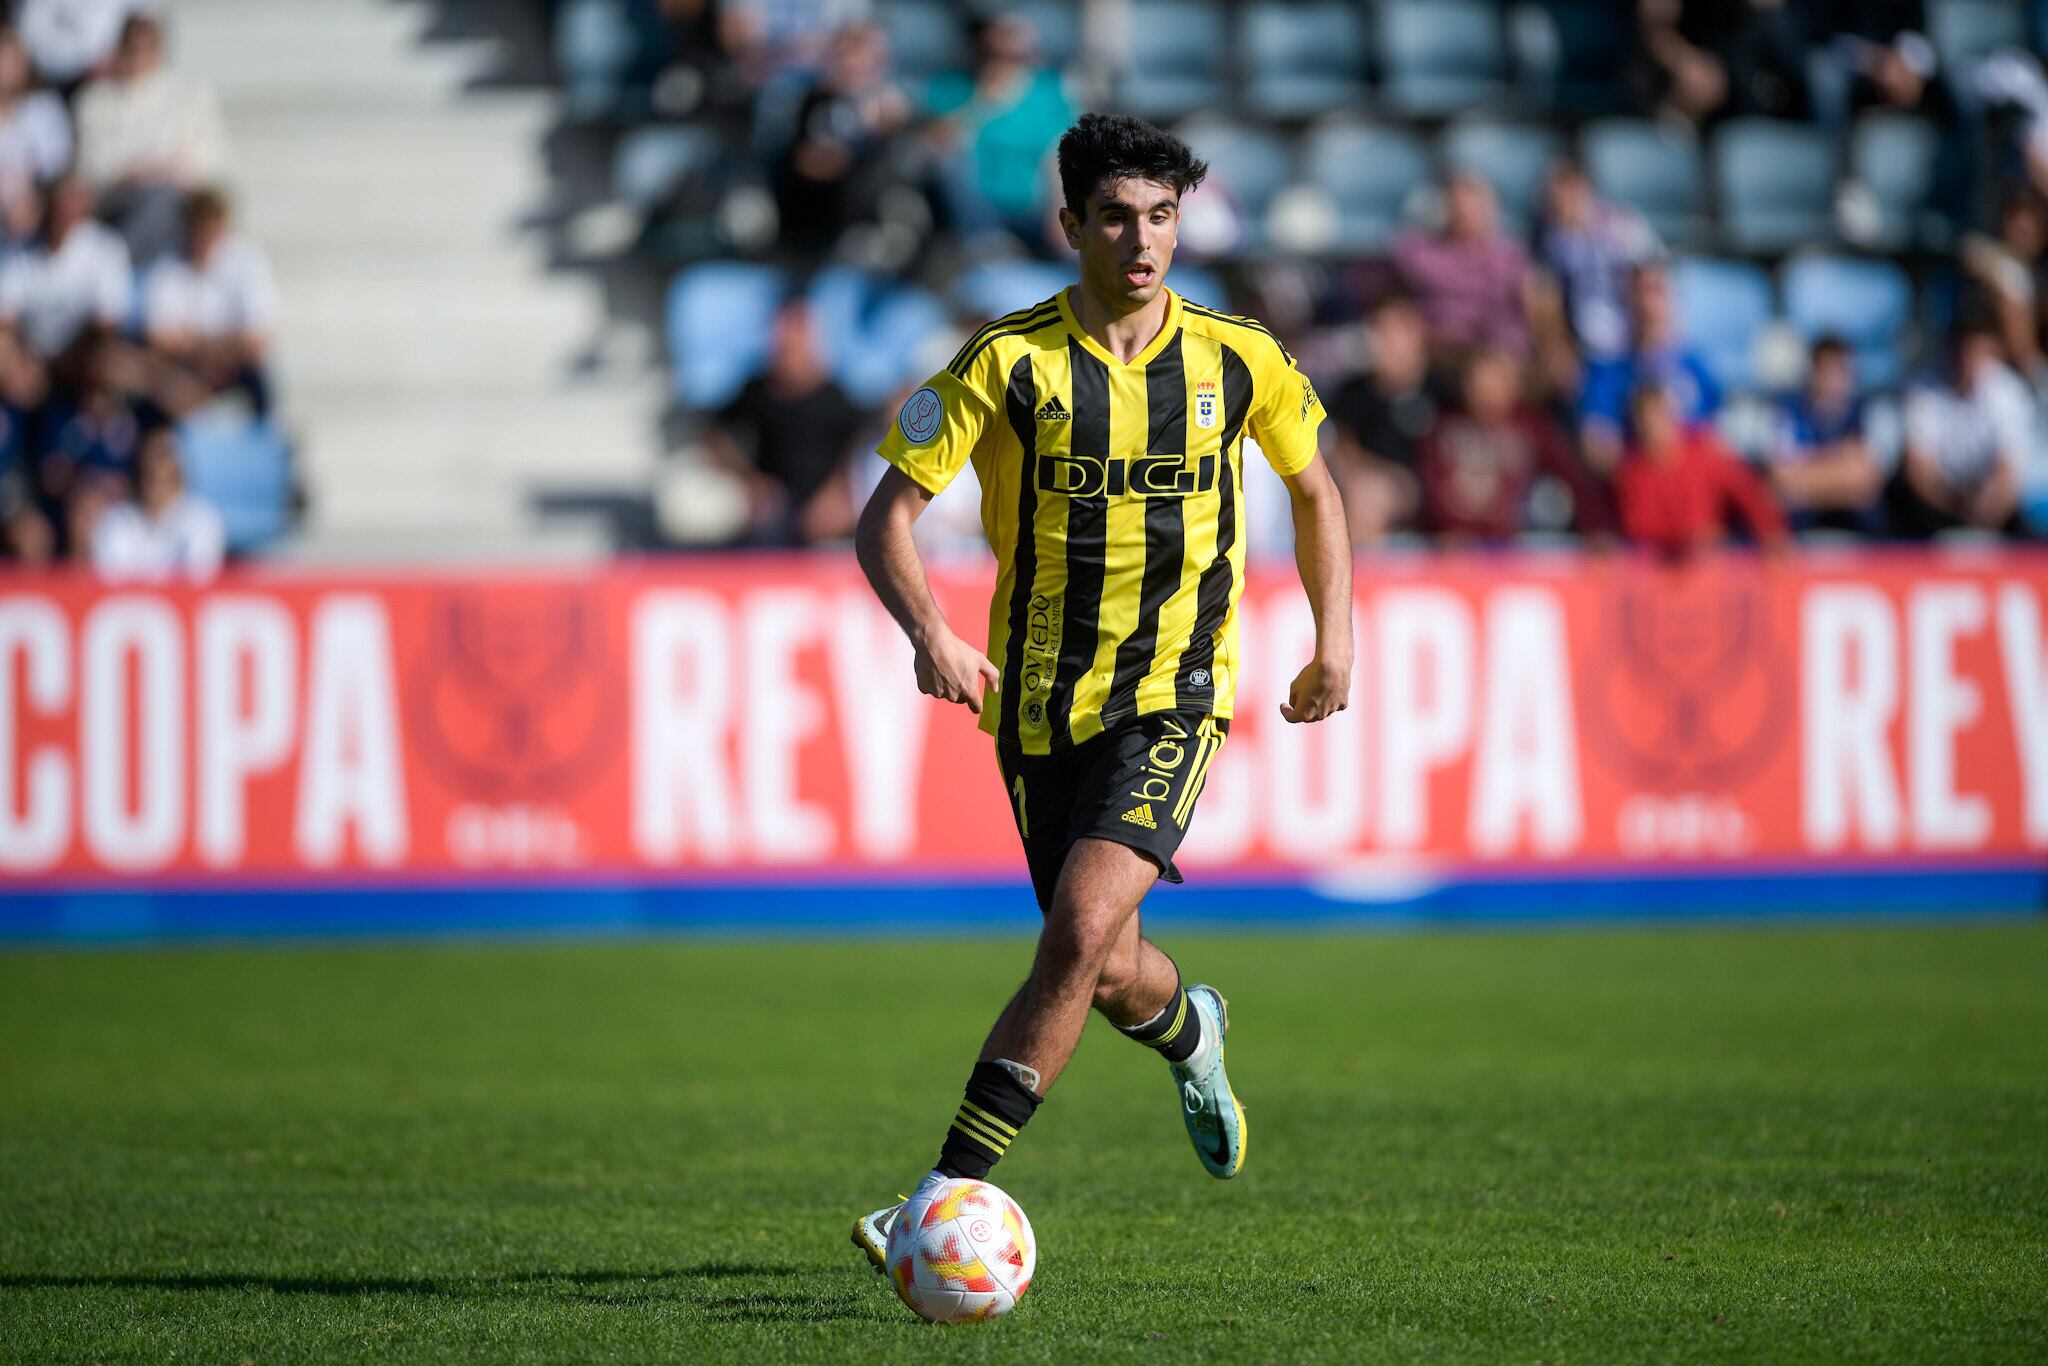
1468,278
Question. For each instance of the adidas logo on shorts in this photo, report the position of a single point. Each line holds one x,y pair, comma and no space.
1054,411
1141,815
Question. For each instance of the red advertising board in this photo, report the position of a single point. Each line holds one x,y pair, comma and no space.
757,715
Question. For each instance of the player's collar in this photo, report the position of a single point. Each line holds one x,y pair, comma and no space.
1102,353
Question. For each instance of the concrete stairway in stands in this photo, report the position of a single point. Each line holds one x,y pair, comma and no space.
442,383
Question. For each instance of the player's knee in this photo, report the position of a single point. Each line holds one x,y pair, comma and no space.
1079,936
1119,973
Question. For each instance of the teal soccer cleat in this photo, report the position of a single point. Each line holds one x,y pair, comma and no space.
1214,1118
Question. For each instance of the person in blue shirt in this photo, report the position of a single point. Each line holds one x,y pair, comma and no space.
998,124
1657,355
1818,459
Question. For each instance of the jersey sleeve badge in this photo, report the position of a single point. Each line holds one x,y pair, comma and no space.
920,416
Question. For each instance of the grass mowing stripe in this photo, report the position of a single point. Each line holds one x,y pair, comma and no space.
1764,1144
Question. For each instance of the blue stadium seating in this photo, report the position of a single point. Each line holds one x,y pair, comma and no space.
1442,56
595,45
1178,68
719,315
653,159
872,330
1303,59
1653,169
1723,307
1514,158
1573,53
1868,303
925,38
1369,170
1198,285
1964,30
1252,163
243,467
1893,157
1775,183
1059,28
989,289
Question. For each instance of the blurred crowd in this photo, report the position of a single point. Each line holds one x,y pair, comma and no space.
1491,378
129,299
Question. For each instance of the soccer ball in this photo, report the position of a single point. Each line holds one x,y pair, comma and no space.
961,1251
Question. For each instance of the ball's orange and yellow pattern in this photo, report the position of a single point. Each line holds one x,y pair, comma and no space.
961,1251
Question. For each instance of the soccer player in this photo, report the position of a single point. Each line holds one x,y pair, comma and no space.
1107,426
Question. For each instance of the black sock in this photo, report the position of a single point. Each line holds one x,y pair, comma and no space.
1176,1031
996,1107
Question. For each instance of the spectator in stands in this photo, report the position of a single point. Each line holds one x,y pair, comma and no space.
209,310
1593,247
1819,460
1966,443
1871,53
1380,419
74,282
998,127
92,431
35,128
69,39
2006,275
147,137
1468,278
1703,58
1681,489
831,175
25,534
1656,355
767,39
787,436
1481,463
164,532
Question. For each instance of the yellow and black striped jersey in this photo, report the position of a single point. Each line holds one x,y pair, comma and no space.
1112,495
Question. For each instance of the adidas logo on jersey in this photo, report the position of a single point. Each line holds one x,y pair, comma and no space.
1141,815
1054,411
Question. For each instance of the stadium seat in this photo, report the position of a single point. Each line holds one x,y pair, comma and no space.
1514,158
1868,303
925,38
872,330
1965,30
1723,308
1302,59
1369,171
1892,158
1252,164
1199,285
243,467
1059,29
719,317
653,159
1653,169
1775,184
1572,54
1178,68
989,289
1441,56
595,45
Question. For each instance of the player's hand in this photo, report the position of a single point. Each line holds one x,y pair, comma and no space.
1320,690
951,670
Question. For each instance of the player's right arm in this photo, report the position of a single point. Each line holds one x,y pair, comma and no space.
926,446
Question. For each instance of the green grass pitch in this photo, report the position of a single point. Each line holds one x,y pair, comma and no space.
1782,1145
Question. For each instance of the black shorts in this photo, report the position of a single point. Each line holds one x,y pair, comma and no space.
1134,784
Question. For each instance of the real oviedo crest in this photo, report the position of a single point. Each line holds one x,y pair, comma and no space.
1205,404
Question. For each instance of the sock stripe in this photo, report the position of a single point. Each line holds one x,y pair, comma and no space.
993,1121
1180,1017
975,1129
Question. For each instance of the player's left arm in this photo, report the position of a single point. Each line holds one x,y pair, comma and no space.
1285,421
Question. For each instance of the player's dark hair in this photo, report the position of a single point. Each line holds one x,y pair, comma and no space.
1830,344
1118,147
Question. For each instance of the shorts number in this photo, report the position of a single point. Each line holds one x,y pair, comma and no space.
1023,821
